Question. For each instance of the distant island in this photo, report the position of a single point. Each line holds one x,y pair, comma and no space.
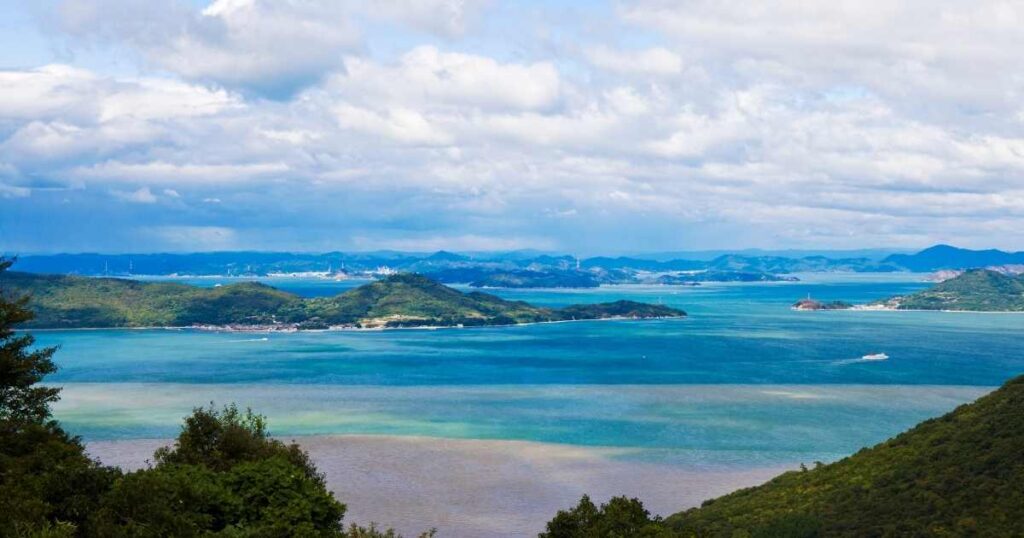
402,300
975,290
811,304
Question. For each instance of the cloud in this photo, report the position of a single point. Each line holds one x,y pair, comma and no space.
270,47
464,243
193,238
163,172
426,75
652,61
695,125
913,53
141,196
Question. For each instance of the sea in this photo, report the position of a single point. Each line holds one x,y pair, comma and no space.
743,381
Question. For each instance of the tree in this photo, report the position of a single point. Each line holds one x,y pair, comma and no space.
22,402
620,517
225,476
48,486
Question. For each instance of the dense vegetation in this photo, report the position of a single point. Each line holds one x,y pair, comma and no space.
619,517
956,475
224,476
402,300
978,290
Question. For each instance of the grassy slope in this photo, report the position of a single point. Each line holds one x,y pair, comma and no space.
406,300
958,475
978,290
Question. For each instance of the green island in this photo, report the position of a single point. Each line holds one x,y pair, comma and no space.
977,290
402,300
956,475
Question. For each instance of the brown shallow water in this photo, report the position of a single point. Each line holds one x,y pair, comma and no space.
470,488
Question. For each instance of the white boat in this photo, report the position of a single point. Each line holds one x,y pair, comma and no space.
875,357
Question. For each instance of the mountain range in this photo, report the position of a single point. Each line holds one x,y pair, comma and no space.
513,270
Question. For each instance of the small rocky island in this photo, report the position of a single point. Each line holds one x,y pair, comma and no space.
811,304
402,300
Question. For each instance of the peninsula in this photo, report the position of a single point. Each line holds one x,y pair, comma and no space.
402,300
975,290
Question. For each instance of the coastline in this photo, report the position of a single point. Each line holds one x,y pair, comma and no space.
468,487
339,328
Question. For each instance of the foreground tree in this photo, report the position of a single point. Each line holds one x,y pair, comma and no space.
618,518
223,476
48,486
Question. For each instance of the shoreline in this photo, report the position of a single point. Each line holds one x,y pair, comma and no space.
473,487
254,329
864,308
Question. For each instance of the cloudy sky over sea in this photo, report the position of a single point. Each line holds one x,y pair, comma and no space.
476,125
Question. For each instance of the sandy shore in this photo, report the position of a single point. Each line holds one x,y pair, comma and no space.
468,488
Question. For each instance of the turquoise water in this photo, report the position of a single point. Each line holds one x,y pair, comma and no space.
743,380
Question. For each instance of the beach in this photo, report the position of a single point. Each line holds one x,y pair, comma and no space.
470,488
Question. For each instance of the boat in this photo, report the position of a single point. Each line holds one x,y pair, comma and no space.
875,357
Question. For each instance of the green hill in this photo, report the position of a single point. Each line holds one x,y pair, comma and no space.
961,474
398,301
977,290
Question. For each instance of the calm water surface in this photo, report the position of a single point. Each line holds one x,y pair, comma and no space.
743,381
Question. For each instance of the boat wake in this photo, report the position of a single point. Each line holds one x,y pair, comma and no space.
873,357
264,339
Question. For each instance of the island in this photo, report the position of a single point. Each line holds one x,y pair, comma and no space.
976,290
811,304
401,300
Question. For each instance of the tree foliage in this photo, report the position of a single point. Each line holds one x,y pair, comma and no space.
620,517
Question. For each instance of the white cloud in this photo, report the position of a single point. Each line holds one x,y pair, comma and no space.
193,238
794,124
426,75
164,172
270,46
921,54
141,196
652,61
442,17
464,243
401,124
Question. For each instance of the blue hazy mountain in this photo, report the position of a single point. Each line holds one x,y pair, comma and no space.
950,257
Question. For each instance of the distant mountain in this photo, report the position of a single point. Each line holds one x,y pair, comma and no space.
641,264
956,475
808,264
403,300
980,290
719,276
482,277
949,257
604,269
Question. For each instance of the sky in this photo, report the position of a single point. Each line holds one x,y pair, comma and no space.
473,125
